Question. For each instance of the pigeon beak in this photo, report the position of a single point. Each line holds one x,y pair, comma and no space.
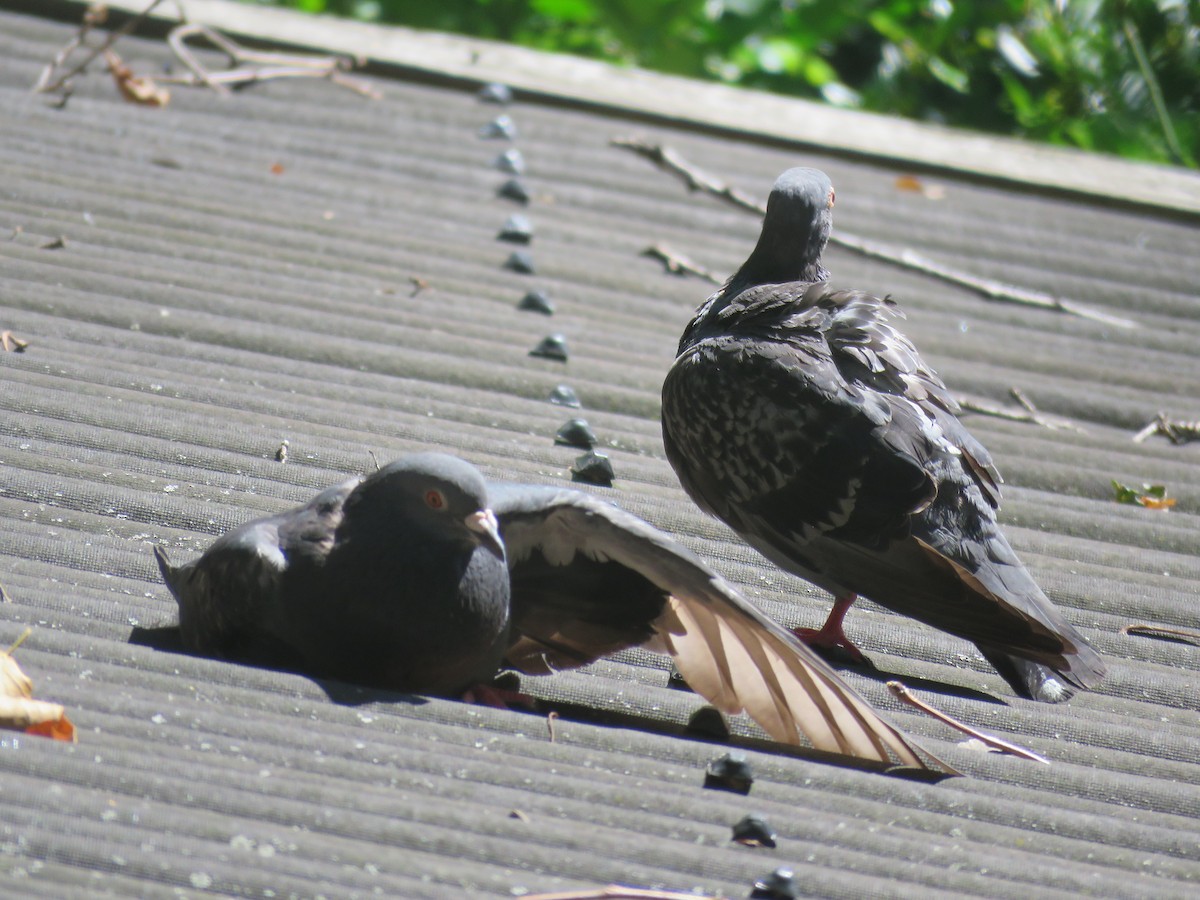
483,523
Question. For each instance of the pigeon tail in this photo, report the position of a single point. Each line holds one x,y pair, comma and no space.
170,573
1030,679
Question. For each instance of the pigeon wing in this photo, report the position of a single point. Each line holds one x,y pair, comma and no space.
728,651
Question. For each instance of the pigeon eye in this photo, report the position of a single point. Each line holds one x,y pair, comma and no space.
435,499
832,197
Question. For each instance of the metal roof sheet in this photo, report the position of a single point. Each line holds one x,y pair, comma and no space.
236,272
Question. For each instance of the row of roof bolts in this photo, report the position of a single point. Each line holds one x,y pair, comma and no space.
731,772
591,467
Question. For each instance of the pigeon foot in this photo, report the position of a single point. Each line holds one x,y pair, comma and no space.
498,697
831,638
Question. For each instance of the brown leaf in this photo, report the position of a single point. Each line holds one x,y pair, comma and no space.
917,186
18,709
135,88
1156,502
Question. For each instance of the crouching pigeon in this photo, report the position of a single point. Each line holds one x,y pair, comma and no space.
805,420
422,577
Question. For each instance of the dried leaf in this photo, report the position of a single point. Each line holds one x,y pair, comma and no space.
18,709
1151,496
135,88
917,186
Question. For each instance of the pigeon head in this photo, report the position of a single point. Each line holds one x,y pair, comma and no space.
794,231
438,495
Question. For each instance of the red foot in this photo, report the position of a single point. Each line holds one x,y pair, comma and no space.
498,697
830,636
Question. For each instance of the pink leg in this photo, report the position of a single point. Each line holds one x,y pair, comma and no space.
500,698
830,635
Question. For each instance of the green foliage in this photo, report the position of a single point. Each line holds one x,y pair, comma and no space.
1121,76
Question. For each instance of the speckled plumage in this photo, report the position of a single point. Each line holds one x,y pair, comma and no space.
366,583
804,419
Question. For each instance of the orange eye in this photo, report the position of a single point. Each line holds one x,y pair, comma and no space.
434,499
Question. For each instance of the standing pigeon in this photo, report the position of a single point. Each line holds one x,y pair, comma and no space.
408,579
802,418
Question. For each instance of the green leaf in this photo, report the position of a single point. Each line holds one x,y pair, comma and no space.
1124,493
565,10
954,78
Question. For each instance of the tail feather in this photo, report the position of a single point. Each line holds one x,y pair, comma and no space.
170,573
1037,681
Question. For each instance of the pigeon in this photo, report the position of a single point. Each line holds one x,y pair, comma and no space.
805,420
423,577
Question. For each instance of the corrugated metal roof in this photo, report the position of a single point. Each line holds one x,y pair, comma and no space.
236,273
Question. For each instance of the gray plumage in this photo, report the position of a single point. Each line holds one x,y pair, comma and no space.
804,419
368,583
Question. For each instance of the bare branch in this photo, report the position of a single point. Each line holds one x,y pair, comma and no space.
902,692
671,161
1031,414
1175,432
91,19
250,66
620,892
1162,632
247,66
678,264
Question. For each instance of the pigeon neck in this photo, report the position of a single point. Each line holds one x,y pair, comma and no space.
779,258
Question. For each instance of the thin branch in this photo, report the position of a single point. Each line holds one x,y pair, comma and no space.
19,641
252,66
1031,415
1175,432
902,692
671,161
621,892
1162,632
90,21
678,264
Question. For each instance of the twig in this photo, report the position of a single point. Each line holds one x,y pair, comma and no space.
671,161
90,20
4,598
1031,415
19,641
1175,432
254,65
1162,632
902,692
678,264
11,343
621,892
551,718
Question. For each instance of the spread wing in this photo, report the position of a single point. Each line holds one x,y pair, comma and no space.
230,597
589,579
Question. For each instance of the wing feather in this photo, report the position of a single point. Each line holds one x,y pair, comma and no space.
729,652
